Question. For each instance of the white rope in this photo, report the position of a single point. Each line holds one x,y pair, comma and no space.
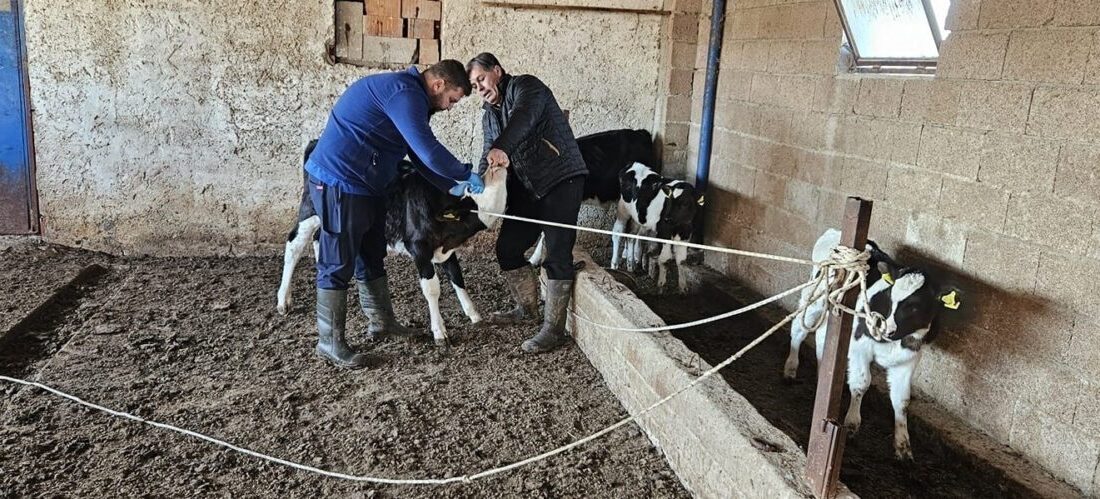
848,269
428,481
718,249
654,329
845,261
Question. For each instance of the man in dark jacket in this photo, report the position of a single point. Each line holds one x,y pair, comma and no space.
375,123
525,130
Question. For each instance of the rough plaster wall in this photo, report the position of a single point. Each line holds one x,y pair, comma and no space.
989,170
177,127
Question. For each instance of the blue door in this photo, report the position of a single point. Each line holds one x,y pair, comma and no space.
18,203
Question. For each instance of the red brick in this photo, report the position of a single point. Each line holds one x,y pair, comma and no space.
383,26
429,53
423,29
383,8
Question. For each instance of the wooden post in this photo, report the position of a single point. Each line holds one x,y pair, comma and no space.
827,434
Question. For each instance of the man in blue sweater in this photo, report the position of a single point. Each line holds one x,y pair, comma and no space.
376,122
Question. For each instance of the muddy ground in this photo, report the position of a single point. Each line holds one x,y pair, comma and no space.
870,469
196,342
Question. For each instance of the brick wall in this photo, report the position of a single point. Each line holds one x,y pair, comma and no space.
990,170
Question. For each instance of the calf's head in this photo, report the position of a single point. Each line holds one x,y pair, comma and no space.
910,299
681,205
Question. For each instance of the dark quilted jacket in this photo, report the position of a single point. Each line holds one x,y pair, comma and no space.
530,127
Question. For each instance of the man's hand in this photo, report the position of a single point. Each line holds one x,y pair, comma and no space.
496,157
473,183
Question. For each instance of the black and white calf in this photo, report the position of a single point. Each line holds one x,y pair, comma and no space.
656,206
422,222
909,300
607,154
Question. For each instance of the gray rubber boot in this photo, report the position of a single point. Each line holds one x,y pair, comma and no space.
552,333
523,285
374,298
332,306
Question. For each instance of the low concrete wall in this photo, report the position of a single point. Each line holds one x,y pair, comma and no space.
713,438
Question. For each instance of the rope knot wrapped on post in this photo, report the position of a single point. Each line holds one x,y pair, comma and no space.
845,268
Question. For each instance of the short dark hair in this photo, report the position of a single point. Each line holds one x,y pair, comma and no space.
486,60
452,73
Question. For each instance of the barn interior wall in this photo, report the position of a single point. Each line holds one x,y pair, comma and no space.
988,170
177,127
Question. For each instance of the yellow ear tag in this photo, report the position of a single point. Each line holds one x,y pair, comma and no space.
701,200
450,216
888,278
950,300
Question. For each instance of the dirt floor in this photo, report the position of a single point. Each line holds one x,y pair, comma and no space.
197,343
870,469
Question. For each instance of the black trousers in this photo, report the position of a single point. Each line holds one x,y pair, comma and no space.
560,205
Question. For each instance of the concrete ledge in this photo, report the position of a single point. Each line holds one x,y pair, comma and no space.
713,438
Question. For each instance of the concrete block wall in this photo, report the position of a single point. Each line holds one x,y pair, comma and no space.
178,127
989,169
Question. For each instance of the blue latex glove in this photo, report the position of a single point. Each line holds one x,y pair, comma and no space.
477,185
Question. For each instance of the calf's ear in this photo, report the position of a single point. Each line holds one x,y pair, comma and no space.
950,298
667,189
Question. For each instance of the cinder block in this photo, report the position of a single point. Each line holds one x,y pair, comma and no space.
755,55
804,20
769,189
897,141
975,204
349,30
811,130
836,95
1092,70
683,55
994,105
678,108
963,15
880,97
973,55
428,51
771,123
735,85
1071,453
1049,55
783,56
422,29
831,207
685,27
1050,221
866,179
1084,351
1065,113
819,168
912,188
744,24
1018,163
384,26
1007,263
950,150
1015,14
1078,176
680,81
421,9
389,50
930,101
383,8
932,235
1077,13
1087,417
802,198
1066,281
819,56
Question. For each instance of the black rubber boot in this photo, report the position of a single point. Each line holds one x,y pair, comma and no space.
552,333
374,298
332,306
523,285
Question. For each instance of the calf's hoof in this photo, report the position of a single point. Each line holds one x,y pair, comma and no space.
903,451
